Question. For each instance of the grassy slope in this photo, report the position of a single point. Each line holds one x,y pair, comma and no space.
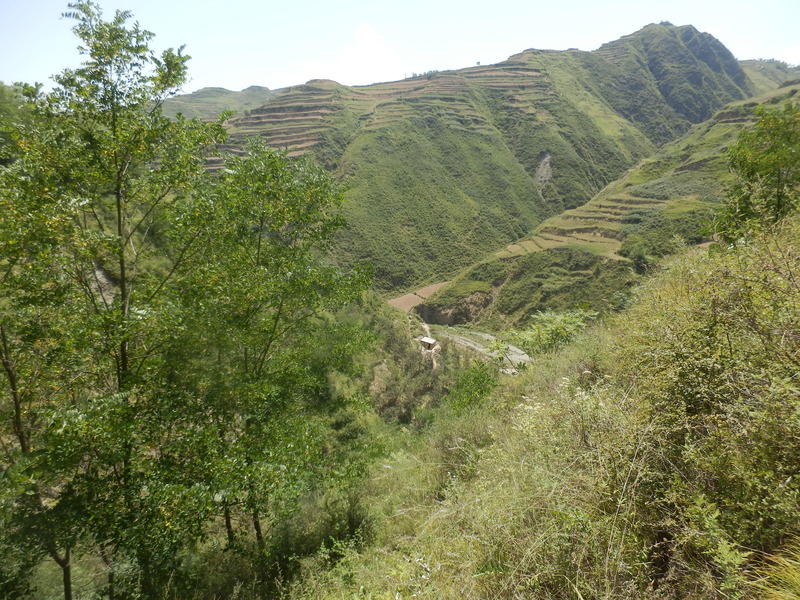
671,193
445,166
600,473
766,75
440,168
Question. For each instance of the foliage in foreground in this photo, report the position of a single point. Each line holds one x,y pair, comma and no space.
781,577
178,415
656,457
166,339
766,160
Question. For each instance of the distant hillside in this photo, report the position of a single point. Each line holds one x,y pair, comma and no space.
443,167
209,103
766,75
586,256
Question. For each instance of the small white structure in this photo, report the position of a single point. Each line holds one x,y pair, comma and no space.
428,343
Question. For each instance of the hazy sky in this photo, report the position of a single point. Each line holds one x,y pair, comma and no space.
238,43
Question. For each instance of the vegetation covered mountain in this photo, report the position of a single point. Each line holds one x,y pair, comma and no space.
656,458
663,78
196,404
445,166
209,103
588,256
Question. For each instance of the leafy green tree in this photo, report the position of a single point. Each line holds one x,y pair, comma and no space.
10,109
97,176
254,298
766,163
159,325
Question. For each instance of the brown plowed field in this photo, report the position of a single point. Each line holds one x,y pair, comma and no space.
408,301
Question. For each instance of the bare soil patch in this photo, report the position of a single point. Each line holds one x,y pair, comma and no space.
408,301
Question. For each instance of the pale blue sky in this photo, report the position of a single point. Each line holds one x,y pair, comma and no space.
238,43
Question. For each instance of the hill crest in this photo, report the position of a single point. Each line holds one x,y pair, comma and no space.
444,167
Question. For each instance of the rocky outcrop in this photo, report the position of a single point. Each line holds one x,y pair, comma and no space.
465,310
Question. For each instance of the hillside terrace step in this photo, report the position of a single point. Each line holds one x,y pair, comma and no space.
437,99
594,231
600,240
517,249
605,210
576,216
552,237
503,70
636,201
275,118
274,107
285,142
291,134
530,245
291,143
285,125
530,89
300,129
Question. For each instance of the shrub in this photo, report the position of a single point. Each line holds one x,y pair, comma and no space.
713,349
549,330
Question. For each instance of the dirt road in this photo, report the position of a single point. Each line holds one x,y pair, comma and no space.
479,342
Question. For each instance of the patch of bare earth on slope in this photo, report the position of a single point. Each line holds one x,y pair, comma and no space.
409,301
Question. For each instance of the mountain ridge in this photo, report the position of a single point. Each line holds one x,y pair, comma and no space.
446,166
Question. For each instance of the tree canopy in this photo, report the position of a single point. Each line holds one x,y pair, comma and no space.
159,324
766,163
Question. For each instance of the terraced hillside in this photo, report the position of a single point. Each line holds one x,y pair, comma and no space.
441,168
209,103
587,255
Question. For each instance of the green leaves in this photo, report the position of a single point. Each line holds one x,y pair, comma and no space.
120,68
549,330
712,349
766,161
158,344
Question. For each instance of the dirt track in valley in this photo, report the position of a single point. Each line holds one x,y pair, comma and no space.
482,343
474,340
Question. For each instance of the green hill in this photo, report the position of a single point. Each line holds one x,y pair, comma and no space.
444,167
653,458
208,103
664,78
766,75
586,256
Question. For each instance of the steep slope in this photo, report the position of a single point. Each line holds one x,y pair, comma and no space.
445,166
665,78
441,167
579,258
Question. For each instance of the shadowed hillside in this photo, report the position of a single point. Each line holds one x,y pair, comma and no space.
665,78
